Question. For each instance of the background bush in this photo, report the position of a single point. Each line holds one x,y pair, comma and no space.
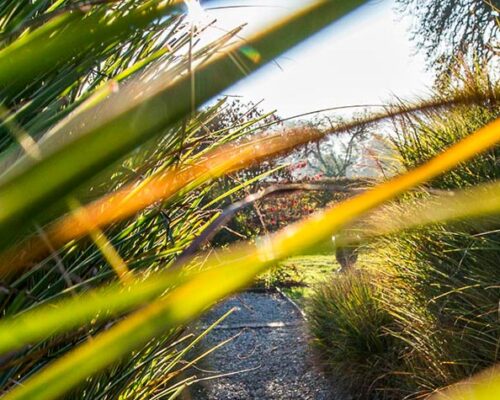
351,331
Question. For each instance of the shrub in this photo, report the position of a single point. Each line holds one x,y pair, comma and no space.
350,329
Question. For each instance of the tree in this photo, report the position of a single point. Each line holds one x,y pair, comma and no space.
244,119
337,155
448,29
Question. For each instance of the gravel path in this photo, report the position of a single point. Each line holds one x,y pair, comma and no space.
270,350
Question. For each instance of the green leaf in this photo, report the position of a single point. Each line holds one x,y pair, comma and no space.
73,33
142,111
237,268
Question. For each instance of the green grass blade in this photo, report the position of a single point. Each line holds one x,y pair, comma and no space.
100,304
68,35
128,124
241,264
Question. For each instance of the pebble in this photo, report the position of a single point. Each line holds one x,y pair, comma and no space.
260,362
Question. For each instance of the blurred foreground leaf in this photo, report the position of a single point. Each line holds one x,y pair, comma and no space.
139,112
239,266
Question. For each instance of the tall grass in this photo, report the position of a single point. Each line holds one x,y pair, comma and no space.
436,285
101,111
350,328
79,99
150,239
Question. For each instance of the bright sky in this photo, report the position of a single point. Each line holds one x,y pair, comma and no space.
363,59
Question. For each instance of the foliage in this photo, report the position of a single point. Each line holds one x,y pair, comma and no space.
449,29
100,80
279,211
351,332
149,241
337,156
436,284
250,179
420,138
129,165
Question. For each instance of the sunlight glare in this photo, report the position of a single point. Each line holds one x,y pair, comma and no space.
196,15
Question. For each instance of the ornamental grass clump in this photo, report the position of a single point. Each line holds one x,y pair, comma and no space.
437,285
351,332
